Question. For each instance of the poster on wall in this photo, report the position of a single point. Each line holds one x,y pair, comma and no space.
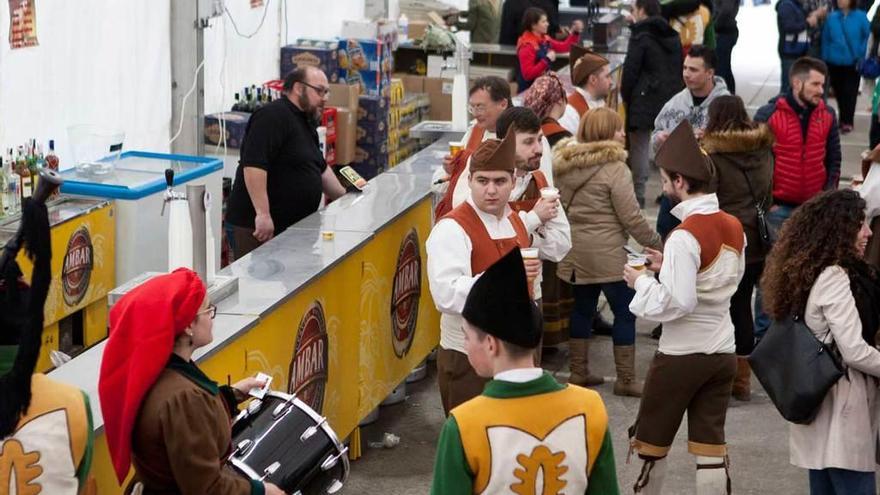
22,24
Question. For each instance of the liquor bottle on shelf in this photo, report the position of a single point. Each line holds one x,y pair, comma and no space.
236,107
52,160
34,160
258,103
13,186
21,168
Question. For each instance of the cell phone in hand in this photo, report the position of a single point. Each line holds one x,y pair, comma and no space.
260,392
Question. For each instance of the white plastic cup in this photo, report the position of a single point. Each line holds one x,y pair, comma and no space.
549,193
530,253
637,261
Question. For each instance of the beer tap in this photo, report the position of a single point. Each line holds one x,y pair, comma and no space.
170,194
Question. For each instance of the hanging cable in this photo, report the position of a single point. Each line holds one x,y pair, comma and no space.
183,104
235,26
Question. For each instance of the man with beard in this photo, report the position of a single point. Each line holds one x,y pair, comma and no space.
591,78
463,244
807,150
700,268
529,179
282,173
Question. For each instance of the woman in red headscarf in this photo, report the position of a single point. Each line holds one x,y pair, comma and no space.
161,412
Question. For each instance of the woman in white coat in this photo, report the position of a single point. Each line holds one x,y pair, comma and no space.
816,269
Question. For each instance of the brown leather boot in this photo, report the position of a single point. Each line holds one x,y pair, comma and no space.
742,382
578,353
625,361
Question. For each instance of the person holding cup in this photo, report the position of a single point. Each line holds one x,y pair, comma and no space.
598,196
462,245
488,97
700,268
538,202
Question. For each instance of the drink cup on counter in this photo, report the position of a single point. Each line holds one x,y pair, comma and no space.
455,147
530,254
328,226
637,261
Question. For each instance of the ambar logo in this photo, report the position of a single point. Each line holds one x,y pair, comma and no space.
406,293
307,376
77,268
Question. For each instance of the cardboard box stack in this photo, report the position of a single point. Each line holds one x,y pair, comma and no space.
344,99
315,53
371,153
407,109
366,64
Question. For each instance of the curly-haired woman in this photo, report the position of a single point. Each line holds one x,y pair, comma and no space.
816,270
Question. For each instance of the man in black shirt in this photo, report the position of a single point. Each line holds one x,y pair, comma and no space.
281,173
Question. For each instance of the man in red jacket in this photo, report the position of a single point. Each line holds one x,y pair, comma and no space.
807,149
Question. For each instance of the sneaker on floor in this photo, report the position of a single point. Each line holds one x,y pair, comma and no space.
846,129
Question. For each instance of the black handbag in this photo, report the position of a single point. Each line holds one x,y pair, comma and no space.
796,369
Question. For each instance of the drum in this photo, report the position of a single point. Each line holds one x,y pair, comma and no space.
281,440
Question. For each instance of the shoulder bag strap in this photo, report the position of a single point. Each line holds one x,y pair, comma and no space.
567,203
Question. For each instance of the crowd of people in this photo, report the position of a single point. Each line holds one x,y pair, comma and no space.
535,219
748,203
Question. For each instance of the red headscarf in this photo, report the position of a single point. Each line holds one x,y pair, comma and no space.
143,326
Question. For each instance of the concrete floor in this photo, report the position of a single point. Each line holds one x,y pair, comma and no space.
757,435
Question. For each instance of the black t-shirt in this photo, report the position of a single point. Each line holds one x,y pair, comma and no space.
698,100
281,140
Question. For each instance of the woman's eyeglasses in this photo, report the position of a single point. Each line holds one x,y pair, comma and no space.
211,310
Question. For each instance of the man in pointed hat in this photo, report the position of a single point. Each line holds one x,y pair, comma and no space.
700,268
591,78
524,421
462,245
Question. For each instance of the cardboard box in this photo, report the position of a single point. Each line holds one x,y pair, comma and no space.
370,83
343,96
417,29
321,54
372,108
365,54
440,93
383,29
413,84
235,123
372,133
346,135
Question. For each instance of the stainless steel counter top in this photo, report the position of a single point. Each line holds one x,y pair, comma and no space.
271,274
61,209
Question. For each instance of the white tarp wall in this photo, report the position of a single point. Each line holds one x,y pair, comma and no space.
98,61
108,62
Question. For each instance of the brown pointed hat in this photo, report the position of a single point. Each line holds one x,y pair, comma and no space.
495,155
584,62
681,153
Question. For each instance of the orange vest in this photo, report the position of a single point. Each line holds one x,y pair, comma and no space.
459,162
579,103
486,251
532,193
551,127
714,232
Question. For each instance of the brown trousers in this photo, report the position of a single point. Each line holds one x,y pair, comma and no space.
458,381
698,384
243,241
